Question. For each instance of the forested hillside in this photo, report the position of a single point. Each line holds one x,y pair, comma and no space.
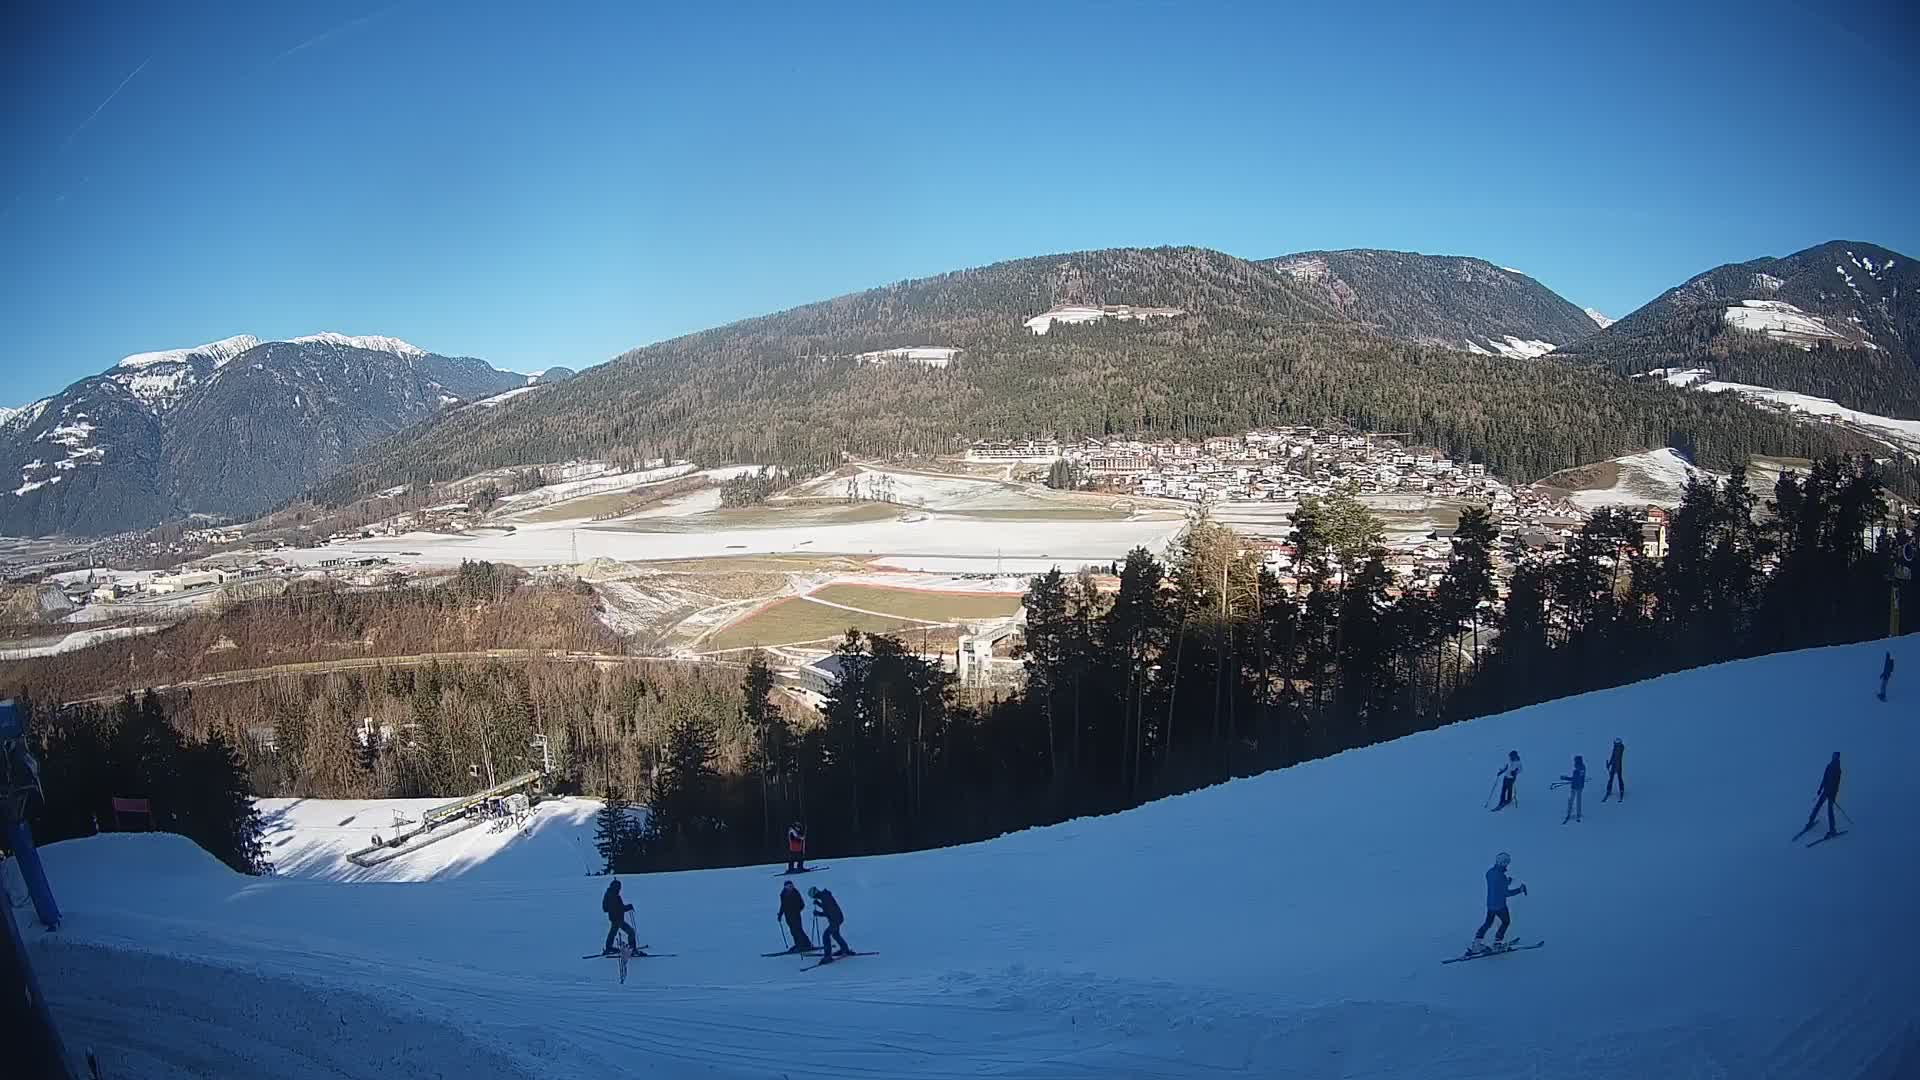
1452,301
1840,320
1254,347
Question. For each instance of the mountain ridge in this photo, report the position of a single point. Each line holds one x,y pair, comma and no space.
1838,320
227,428
1455,301
1233,344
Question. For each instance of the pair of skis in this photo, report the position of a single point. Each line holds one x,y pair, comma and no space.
802,870
1497,950
1820,840
836,959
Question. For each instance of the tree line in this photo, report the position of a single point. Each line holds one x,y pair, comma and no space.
1201,667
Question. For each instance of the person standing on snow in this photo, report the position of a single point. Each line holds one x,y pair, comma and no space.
1576,783
1616,770
791,906
616,909
1886,672
825,906
1829,791
796,848
1508,774
1499,887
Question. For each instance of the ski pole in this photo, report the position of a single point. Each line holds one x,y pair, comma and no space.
1490,791
784,940
1843,813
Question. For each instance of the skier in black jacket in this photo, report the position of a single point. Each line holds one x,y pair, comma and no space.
825,906
1829,791
1617,770
616,909
791,907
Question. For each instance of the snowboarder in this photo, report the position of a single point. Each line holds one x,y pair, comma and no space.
1829,791
1499,887
616,909
1508,774
825,906
1616,766
796,848
1576,783
1886,672
791,906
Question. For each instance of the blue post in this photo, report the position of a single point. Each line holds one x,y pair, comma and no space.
20,838
21,771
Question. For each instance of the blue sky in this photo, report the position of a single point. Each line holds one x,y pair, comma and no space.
552,184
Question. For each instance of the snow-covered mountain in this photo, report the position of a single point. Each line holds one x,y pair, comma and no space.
1291,924
1599,320
1462,303
227,428
1839,321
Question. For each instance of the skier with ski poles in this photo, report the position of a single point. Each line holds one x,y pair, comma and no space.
1499,888
1616,770
1886,672
1829,791
825,906
796,848
1508,773
616,909
791,907
1576,782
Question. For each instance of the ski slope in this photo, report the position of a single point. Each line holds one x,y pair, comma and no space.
1291,924
311,838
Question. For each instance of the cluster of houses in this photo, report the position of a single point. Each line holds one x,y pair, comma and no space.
107,588
1282,464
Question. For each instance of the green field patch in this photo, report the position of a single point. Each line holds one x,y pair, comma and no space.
794,620
931,605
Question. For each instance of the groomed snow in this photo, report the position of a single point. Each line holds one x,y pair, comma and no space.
311,839
1291,924
1657,477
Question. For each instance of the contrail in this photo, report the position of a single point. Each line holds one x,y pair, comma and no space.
116,93
336,31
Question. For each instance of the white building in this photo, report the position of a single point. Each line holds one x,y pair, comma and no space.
1074,314
937,356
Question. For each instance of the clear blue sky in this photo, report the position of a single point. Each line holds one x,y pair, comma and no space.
552,184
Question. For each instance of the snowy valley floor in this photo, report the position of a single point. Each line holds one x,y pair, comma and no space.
1289,925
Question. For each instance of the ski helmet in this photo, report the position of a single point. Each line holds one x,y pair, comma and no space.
813,892
1502,859
1513,755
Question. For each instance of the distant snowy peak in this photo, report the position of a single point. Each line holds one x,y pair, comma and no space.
218,351
1598,319
370,342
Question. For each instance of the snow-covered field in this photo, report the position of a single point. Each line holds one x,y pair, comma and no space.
73,641
1287,925
1656,477
1900,434
981,543
1781,320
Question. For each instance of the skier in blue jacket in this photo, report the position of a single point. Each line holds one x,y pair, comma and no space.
1499,887
1576,783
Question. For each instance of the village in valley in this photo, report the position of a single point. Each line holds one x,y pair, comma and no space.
937,551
